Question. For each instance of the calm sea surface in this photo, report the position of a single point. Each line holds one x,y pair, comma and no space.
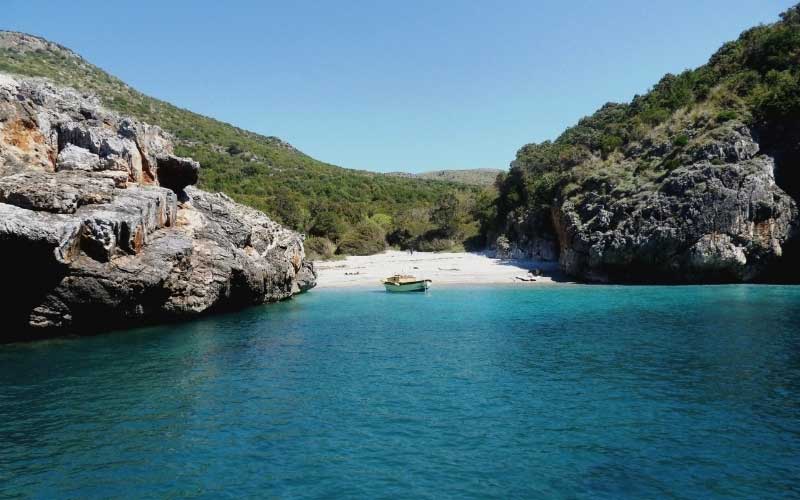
553,391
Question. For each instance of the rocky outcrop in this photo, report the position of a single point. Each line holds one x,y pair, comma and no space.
100,227
720,217
707,222
176,173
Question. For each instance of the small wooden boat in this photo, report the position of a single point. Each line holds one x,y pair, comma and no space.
405,283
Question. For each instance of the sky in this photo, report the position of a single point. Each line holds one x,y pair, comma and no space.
394,85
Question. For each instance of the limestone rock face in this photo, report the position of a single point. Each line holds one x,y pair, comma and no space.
73,157
533,239
57,193
100,227
731,145
719,216
707,222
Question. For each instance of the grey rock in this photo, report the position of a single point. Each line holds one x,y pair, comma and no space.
502,247
53,239
92,234
708,222
717,252
151,143
58,193
534,239
730,145
73,157
709,210
103,141
124,225
306,277
119,178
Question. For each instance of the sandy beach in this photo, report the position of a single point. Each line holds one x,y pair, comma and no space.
442,268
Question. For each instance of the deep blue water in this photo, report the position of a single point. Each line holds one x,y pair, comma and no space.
554,391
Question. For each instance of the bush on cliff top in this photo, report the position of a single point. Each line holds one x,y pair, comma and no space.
753,80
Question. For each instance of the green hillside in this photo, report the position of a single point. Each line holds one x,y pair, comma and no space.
337,204
626,149
474,176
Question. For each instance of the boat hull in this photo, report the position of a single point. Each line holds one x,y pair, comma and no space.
416,286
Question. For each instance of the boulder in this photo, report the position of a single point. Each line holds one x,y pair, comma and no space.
176,173
58,193
117,151
693,201
717,252
73,157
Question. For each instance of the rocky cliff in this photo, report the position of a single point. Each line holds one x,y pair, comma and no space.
695,181
719,216
100,227
263,172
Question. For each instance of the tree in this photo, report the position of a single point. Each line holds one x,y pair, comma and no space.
329,225
445,215
365,238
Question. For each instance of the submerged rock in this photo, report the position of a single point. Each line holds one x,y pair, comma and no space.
100,227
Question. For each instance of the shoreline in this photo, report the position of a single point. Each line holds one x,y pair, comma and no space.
450,268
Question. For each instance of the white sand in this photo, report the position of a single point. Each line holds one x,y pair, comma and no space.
442,268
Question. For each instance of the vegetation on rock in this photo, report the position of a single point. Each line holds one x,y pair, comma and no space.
263,172
623,149
483,177
679,179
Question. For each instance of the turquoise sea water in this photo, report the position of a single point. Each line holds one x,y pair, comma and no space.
504,392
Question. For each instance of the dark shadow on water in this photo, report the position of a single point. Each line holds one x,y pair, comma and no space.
141,326
549,269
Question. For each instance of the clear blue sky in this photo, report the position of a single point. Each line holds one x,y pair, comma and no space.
404,85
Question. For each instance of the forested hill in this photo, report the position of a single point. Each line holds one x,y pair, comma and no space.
696,180
342,206
473,176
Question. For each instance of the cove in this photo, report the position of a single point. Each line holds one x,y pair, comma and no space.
463,392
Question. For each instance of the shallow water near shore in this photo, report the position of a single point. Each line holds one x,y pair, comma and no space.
468,392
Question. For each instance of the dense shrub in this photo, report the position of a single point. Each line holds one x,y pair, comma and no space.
329,225
435,245
319,248
680,141
727,115
365,238
610,143
382,220
779,97
234,149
